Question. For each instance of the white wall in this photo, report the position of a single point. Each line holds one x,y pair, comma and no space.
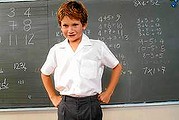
164,112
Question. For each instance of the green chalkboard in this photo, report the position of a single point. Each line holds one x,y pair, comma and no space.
143,35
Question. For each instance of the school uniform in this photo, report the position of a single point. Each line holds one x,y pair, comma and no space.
77,77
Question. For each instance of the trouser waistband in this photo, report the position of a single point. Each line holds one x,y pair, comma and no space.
87,98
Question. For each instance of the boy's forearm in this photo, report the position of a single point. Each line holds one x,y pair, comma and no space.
116,72
47,82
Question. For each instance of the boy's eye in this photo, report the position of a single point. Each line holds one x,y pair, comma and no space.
75,24
65,25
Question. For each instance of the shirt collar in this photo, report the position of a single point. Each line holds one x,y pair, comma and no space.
84,42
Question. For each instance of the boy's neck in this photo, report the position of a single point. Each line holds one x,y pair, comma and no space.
74,44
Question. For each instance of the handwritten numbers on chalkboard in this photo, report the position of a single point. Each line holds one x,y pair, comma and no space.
154,70
145,3
12,12
151,45
12,24
148,27
123,61
15,25
109,18
20,66
21,82
29,39
4,84
24,30
12,39
154,2
27,12
111,30
27,27
118,17
27,24
105,18
143,38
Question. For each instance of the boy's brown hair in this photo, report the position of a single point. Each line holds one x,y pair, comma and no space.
74,10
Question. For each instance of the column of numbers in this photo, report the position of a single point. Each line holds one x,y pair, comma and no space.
151,45
14,26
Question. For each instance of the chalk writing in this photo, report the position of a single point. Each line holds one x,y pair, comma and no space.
29,39
126,70
1,71
27,12
23,42
29,96
27,24
12,12
111,30
20,66
142,34
151,44
109,17
154,70
21,82
13,40
12,24
4,84
149,27
27,27
145,3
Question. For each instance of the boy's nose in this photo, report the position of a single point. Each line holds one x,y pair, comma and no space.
70,29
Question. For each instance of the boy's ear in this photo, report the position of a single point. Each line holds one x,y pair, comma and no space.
85,26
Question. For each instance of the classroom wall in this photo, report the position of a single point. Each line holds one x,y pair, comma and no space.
164,112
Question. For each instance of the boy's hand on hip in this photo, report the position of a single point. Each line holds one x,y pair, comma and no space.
56,100
104,97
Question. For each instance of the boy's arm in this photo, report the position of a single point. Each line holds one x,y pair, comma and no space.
106,95
47,82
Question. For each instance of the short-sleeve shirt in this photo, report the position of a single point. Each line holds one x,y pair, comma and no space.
80,72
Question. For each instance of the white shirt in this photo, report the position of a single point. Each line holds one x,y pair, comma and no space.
79,73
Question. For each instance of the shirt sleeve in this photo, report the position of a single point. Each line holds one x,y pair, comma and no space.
108,58
50,63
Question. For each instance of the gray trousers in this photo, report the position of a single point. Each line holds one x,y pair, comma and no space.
82,108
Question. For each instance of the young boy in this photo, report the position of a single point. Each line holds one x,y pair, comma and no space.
77,64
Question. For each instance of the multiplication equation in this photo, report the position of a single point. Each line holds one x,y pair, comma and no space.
154,70
138,3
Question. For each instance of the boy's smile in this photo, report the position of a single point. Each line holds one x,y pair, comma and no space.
72,29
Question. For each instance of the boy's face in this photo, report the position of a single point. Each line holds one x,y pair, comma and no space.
72,29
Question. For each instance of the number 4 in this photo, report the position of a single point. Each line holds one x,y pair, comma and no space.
27,12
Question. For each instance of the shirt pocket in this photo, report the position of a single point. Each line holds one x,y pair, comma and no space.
88,69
